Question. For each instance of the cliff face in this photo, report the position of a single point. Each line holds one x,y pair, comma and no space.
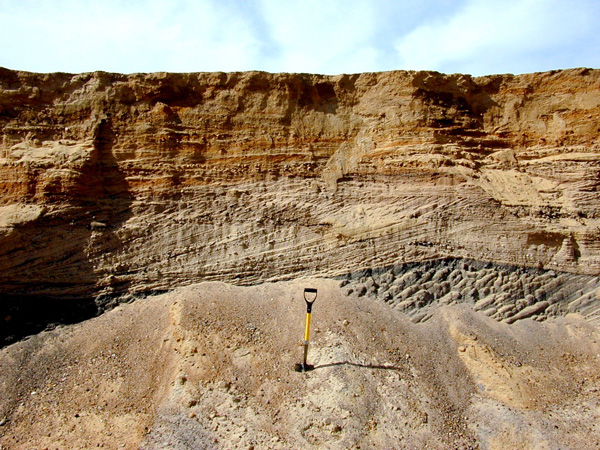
123,184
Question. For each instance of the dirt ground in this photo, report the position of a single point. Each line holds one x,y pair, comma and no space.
211,366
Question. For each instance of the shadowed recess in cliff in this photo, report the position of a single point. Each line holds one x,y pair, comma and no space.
104,195
55,251
26,315
307,95
455,102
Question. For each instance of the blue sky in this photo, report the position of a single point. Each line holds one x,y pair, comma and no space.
319,36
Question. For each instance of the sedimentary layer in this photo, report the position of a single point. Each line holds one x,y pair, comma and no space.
114,185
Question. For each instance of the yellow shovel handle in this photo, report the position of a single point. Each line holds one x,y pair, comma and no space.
307,328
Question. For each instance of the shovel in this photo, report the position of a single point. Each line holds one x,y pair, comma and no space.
310,295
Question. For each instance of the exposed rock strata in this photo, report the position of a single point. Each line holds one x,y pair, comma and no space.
123,184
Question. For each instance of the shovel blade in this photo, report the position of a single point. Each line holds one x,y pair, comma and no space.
303,367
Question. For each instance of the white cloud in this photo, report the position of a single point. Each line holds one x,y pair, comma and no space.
316,36
490,36
127,37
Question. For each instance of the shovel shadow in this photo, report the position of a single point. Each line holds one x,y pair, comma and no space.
362,366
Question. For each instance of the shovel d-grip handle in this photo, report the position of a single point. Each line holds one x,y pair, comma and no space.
309,302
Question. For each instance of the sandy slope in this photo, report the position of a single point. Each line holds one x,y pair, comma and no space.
210,366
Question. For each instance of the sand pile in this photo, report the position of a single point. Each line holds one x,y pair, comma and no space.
211,366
